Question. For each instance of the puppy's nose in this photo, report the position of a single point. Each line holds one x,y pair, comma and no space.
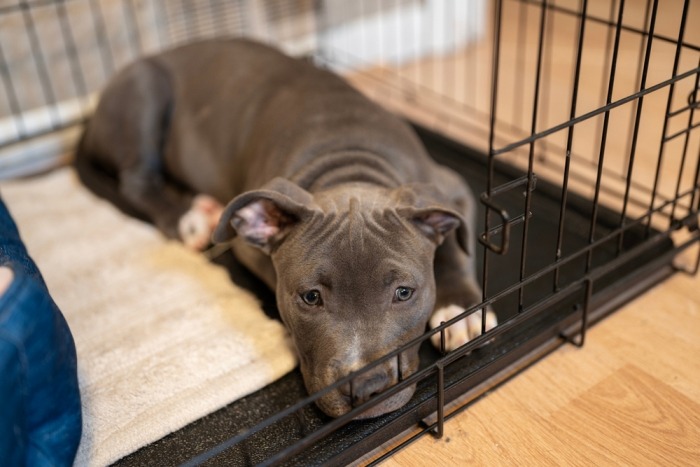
369,384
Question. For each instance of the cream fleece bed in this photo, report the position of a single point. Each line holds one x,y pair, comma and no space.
163,336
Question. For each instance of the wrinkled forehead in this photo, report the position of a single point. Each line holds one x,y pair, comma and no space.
364,228
361,238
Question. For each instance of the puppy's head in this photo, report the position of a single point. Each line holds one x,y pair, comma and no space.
355,278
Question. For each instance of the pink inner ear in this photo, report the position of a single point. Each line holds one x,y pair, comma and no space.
441,222
258,221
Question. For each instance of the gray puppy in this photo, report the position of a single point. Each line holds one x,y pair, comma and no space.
334,202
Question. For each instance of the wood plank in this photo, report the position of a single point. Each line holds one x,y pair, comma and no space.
631,418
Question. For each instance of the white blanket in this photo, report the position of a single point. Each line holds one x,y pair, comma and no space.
163,336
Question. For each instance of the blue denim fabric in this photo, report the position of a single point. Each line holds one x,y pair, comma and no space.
40,417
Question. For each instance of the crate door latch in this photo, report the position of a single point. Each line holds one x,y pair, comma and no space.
507,222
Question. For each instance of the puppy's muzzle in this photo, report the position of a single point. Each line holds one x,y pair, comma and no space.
372,383
368,384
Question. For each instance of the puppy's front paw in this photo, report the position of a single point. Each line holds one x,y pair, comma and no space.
196,225
462,331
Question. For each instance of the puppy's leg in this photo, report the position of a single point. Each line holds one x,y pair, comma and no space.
198,223
128,132
177,213
455,274
457,290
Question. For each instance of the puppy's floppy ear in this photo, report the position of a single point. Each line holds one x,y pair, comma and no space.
431,213
263,217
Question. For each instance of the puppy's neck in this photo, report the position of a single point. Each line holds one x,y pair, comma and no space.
348,167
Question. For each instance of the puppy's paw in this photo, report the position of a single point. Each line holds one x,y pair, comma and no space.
196,225
462,331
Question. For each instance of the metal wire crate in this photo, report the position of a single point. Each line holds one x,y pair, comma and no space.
575,120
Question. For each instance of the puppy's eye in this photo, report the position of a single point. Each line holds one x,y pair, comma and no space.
403,293
312,297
